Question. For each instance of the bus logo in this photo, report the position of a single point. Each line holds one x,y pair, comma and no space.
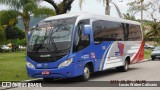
93,55
48,55
121,48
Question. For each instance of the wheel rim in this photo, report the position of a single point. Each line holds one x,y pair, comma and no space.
126,65
86,72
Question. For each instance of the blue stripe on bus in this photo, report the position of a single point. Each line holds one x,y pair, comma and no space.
104,56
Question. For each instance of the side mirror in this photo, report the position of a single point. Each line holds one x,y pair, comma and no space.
87,29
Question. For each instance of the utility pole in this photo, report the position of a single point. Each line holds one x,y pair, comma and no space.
141,1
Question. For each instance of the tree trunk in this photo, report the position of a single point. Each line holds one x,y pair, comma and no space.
54,5
118,10
26,33
26,26
67,6
107,10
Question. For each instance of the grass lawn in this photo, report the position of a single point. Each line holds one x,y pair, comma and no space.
147,53
13,66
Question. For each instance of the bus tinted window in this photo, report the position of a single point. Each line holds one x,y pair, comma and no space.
134,33
107,31
115,31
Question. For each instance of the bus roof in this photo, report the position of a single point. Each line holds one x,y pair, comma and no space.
89,16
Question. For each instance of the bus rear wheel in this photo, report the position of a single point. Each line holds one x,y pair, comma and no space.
124,68
86,73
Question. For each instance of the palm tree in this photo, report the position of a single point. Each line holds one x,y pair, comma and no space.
118,10
106,2
23,9
62,7
107,9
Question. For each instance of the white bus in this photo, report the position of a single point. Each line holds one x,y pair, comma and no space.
72,45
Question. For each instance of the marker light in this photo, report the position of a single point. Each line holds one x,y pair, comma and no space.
30,65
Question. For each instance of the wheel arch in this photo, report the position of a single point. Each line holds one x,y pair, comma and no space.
128,59
91,66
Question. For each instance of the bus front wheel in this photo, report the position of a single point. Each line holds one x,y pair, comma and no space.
86,73
48,79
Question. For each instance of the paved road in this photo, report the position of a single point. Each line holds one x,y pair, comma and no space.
149,71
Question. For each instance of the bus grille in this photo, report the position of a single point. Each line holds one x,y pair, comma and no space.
36,57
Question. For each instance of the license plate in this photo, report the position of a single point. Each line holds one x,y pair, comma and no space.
45,73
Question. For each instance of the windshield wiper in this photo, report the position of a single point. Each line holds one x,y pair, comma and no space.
52,41
37,47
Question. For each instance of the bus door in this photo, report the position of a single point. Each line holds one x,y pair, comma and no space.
82,47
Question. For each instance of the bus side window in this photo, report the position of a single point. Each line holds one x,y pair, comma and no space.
126,31
134,32
81,41
107,31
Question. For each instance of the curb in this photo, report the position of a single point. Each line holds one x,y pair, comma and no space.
145,60
31,80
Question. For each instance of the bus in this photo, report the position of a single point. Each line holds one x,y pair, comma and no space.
76,45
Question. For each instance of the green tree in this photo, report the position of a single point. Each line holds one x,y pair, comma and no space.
154,32
23,9
62,7
154,8
137,6
8,17
19,42
128,16
2,35
13,32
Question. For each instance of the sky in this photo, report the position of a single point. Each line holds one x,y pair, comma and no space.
94,6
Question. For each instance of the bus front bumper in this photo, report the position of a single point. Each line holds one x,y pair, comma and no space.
64,72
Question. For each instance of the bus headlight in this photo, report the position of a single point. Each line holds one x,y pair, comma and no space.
30,65
66,63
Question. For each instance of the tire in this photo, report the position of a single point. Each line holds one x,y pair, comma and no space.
124,68
48,79
153,58
86,73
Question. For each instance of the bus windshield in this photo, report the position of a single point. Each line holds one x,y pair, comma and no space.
52,35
